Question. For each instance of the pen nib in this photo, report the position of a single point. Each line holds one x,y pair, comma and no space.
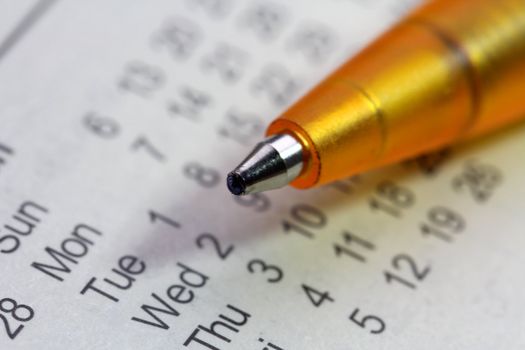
236,183
273,163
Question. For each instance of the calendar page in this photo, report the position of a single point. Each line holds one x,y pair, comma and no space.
118,123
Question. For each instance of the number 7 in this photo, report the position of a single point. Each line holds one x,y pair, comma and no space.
143,142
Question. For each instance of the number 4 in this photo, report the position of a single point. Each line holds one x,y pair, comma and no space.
316,297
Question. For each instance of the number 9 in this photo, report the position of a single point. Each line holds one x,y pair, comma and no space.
258,201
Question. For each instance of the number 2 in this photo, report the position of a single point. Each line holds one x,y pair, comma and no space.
223,253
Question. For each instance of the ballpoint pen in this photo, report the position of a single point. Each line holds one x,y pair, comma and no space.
451,70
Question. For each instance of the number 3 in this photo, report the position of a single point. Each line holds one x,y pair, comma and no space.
261,266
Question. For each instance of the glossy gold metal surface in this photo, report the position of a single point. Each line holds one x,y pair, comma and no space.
452,69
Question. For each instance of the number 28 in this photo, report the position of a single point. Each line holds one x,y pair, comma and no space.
18,312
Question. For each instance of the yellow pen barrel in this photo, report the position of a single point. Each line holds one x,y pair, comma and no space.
451,70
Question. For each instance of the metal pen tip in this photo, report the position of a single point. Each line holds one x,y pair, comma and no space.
236,183
273,163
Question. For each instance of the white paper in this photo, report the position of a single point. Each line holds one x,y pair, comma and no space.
118,122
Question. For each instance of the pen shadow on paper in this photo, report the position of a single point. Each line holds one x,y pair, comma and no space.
255,219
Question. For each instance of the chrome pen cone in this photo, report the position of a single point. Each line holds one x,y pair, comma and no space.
273,163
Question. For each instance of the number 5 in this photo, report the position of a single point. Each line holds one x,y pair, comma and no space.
370,320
